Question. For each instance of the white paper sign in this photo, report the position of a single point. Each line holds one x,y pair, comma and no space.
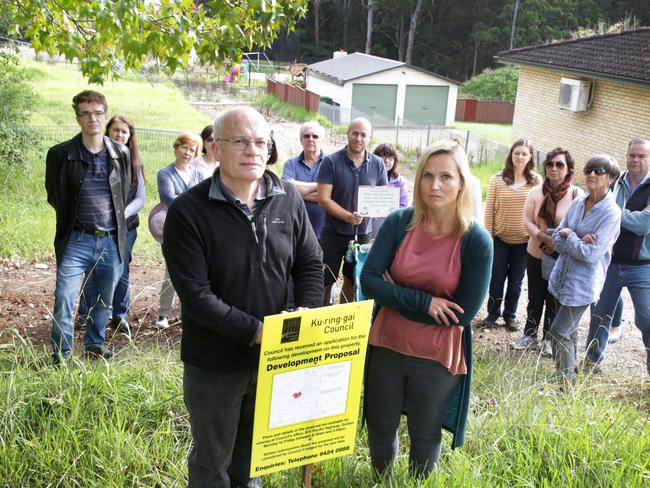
377,201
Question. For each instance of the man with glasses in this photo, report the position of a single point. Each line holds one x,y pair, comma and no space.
231,243
301,172
339,178
87,180
630,266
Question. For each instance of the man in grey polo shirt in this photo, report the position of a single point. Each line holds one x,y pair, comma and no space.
87,180
339,178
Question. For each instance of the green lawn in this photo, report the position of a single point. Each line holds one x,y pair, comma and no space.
154,106
501,133
123,424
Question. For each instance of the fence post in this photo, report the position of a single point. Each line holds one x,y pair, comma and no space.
397,131
428,132
466,142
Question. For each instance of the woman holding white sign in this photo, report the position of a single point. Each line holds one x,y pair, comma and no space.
429,271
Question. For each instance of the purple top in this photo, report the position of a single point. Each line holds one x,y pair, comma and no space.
398,182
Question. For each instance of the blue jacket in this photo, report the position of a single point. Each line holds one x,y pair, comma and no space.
476,263
633,245
170,183
579,273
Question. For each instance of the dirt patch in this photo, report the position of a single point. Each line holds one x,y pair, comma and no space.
27,297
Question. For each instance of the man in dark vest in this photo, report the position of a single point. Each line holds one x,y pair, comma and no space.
87,182
630,266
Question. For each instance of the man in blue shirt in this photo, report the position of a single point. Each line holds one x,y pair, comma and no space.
301,172
339,178
87,180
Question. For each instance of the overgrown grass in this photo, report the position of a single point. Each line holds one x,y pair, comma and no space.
123,424
291,112
501,133
158,106
486,170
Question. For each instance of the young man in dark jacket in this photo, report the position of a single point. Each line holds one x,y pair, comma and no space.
87,181
231,243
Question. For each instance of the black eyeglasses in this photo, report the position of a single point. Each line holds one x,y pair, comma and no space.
599,170
555,164
310,136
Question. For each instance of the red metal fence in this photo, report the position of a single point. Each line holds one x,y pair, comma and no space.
469,110
294,95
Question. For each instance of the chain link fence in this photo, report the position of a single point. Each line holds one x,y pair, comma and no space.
413,137
155,144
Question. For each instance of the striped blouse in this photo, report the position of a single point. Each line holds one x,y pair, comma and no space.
504,210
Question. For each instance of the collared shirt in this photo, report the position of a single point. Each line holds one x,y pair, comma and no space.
243,206
626,180
340,171
95,209
297,169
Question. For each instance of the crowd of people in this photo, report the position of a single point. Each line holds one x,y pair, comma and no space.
240,243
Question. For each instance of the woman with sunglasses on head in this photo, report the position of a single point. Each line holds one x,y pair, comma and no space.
428,270
120,128
504,212
545,207
207,162
584,240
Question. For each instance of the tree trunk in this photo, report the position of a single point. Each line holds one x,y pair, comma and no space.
346,22
316,22
369,27
511,44
477,44
412,28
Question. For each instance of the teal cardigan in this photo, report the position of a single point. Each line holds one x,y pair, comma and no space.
476,265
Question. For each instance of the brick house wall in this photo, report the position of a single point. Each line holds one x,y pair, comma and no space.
619,112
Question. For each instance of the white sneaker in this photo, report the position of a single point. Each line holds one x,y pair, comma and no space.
615,334
161,323
547,350
524,342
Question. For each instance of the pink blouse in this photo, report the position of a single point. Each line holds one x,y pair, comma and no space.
431,265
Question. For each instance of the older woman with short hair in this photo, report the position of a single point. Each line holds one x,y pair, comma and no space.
584,241
428,270
173,180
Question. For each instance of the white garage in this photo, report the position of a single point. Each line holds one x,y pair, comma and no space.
385,91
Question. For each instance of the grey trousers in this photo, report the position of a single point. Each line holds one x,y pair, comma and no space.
167,294
423,386
564,339
221,408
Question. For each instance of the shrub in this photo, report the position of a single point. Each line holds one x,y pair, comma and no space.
493,84
17,100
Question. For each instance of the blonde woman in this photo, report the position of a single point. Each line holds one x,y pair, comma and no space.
428,270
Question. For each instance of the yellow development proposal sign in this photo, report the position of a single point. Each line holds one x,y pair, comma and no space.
309,386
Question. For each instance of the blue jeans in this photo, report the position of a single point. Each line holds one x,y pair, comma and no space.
509,262
637,281
122,294
221,408
83,252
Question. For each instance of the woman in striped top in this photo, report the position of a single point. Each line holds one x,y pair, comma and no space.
504,212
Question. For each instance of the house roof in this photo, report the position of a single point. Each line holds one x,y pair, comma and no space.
620,56
357,65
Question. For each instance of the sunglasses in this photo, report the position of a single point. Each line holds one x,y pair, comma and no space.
555,164
599,171
210,139
310,136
